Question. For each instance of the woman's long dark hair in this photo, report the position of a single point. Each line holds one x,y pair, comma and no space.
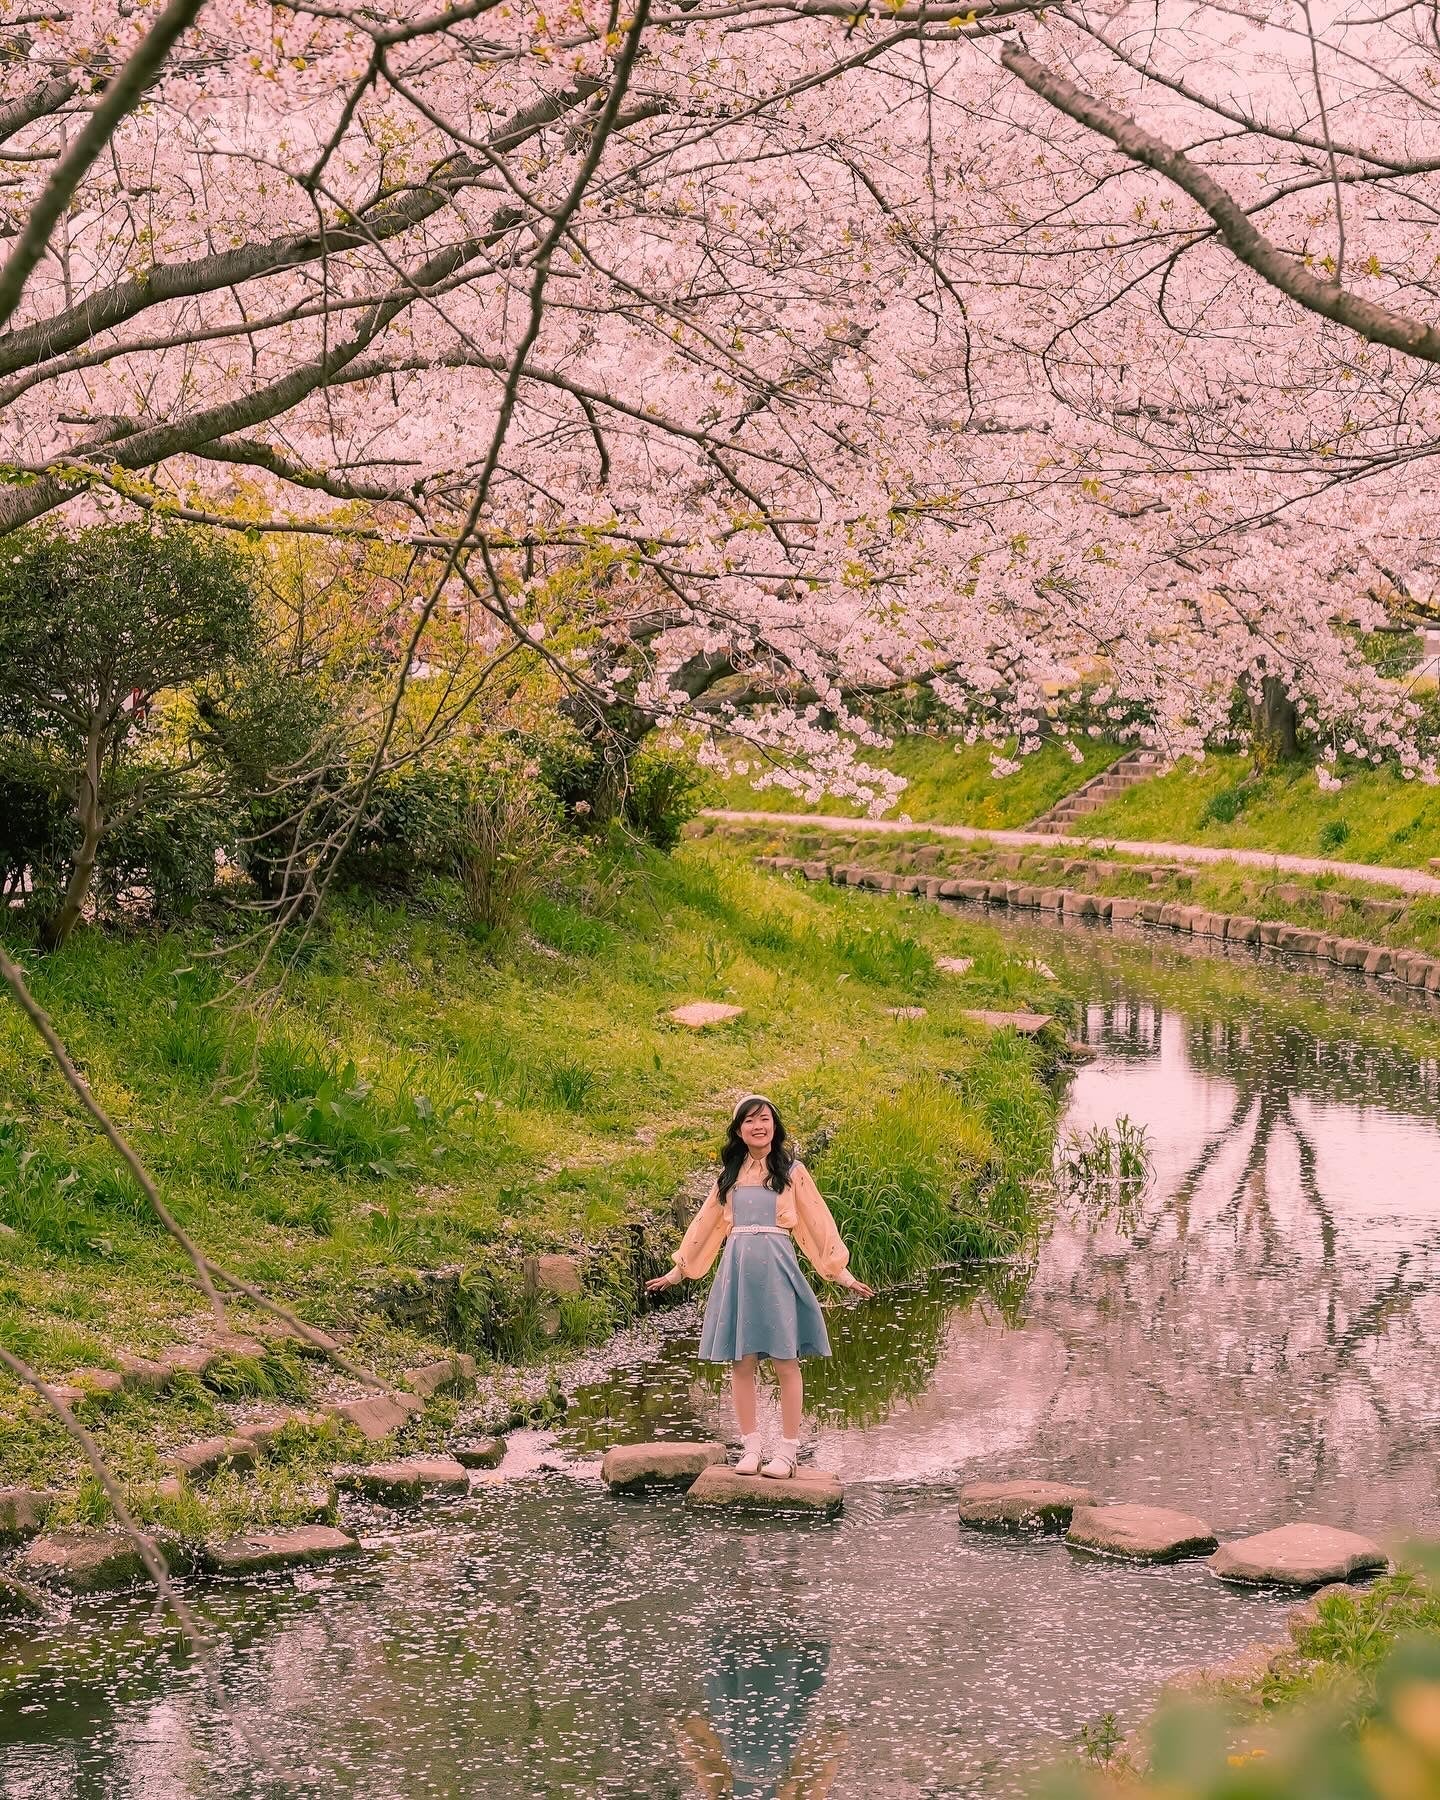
734,1150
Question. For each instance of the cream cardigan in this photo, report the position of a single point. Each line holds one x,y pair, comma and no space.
800,1210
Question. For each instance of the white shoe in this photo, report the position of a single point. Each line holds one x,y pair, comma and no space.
751,1454
781,1466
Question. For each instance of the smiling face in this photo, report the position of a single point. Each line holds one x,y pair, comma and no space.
757,1130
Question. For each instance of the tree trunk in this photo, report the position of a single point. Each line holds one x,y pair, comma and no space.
57,929
1273,723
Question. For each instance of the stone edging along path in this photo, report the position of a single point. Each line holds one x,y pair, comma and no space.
1411,967
1408,881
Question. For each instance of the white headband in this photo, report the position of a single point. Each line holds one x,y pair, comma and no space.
741,1104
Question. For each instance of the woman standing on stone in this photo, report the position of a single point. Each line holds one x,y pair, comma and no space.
761,1304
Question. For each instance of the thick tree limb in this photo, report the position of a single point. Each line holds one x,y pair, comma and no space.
45,98
1283,271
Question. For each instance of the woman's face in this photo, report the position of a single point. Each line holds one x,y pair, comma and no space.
757,1128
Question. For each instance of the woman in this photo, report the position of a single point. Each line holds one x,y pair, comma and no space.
761,1304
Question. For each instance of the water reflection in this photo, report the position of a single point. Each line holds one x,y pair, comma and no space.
1261,1345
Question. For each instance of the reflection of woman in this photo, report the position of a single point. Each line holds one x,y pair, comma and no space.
761,1303
753,1743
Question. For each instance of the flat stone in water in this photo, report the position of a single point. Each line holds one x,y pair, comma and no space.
22,1512
1025,1023
1301,1555
809,1490
479,1453
253,1552
412,1478
699,1013
86,1562
1021,1506
628,1467
1140,1533
19,1600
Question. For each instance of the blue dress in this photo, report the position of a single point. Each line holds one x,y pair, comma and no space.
760,1303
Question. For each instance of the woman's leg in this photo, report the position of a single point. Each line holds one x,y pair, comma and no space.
742,1391
792,1396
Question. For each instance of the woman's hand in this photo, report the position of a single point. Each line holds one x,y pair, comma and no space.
861,1288
672,1278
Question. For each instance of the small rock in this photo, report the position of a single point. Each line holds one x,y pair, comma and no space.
189,1359
1025,1023
1140,1533
378,1416
479,1453
1021,1506
171,1487
699,1013
955,965
85,1562
1078,1052
142,1375
22,1512
263,1432
810,1490
253,1552
19,1600
555,1274
96,1384
1301,1555
398,1483
453,1372
199,1461
627,1467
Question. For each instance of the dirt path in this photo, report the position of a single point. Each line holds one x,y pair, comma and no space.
1407,881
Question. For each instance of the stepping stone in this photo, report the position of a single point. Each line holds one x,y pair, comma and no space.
143,1376
378,1416
955,965
96,1384
453,1372
810,1491
906,1012
90,1562
1025,1023
1021,1506
1300,1555
699,1013
626,1468
1140,1533
253,1552
400,1483
479,1453
210,1455
1078,1052
19,1600
22,1512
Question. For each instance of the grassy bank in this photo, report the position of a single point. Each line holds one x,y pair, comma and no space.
1376,817
1326,902
1350,1710
950,783
411,1106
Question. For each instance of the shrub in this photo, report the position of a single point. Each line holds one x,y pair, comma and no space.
663,791
1333,834
512,847
1225,807
884,955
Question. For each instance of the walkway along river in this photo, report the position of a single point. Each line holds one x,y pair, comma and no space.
1260,1345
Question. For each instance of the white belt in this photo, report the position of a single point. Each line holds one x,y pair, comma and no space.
779,1230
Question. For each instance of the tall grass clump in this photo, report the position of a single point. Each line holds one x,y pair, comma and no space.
883,955
904,1182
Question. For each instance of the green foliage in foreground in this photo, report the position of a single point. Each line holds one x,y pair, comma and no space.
1352,1713
418,1101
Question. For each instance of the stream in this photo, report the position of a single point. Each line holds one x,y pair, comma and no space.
1258,1345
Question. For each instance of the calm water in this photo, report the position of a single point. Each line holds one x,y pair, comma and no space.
1261,1347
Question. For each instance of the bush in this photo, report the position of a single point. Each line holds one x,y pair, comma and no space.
663,791
1225,807
512,847
1332,835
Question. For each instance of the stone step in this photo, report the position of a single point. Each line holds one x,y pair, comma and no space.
256,1552
479,1453
1025,1023
1021,1506
630,1468
403,1482
808,1490
1301,1555
1140,1533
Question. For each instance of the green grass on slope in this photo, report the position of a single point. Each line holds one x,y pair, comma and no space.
1376,817
950,784
411,1106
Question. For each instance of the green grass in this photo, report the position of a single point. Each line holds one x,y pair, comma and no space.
1376,817
408,1105
949,783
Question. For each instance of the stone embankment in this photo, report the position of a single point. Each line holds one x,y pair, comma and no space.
1410,967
